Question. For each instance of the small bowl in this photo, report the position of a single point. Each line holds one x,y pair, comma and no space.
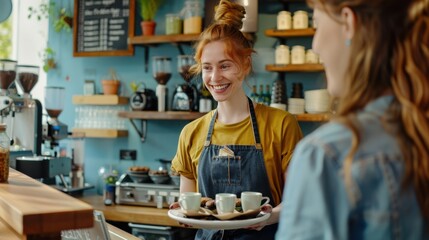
139,177
159,179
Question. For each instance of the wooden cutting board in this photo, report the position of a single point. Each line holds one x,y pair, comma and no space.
33,208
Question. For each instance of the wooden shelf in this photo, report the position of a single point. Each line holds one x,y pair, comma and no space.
157,39
307,32
154,115
321,117
170,115
100,100
295,68
99,133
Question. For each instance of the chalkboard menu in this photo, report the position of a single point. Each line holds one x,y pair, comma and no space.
102,27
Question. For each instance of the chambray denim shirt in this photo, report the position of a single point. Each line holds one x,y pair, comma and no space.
315,201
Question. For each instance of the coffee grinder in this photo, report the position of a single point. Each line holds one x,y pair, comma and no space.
161,70
185,96
54,130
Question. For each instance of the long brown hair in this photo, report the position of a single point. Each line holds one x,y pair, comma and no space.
390,52
226,27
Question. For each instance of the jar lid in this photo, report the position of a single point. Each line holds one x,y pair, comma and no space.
282,46
300,12
284,13
298,47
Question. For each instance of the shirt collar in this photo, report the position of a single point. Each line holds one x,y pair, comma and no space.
379,105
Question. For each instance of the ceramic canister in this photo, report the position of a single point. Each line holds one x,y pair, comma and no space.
300,20
284,20
298,54
282,55
311,57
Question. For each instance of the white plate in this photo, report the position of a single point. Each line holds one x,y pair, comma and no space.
216,224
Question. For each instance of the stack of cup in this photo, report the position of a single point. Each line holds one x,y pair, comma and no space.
296,102
317,101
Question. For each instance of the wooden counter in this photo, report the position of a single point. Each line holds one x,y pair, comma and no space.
32,208
127,213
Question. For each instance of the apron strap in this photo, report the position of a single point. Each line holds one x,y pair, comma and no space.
258,144
210,132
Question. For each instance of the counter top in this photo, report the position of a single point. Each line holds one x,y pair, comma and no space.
128,213
31,208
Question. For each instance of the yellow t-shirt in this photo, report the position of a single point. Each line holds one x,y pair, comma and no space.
279,133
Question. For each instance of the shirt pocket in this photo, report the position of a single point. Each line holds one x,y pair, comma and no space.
226,170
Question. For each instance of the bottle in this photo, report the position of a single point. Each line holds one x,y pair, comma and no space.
4,154
261,94
205,103
267,95
254,94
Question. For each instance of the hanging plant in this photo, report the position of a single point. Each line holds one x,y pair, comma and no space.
63,22
48,57
61,18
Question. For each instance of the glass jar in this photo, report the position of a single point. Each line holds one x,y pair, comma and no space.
284,20
4,154
282,55
192,17
173,24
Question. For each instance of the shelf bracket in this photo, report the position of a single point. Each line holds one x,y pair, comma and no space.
142,132
146,58
179,47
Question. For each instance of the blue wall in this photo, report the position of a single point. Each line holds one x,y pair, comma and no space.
162,136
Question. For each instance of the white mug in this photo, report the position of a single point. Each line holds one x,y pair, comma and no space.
225,202
190,201
253,201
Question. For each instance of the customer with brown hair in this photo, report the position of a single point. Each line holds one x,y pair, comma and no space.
261,138
365,175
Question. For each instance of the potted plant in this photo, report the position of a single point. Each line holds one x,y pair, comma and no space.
147,11
48,57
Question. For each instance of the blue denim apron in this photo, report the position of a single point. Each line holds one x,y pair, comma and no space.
243,172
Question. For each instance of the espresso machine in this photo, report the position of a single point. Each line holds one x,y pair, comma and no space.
34,147
23,115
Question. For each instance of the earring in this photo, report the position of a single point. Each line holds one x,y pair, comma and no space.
348,42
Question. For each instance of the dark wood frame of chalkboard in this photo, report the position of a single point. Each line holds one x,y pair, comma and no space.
124,52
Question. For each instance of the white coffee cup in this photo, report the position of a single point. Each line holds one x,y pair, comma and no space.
190,201
225,202
253,201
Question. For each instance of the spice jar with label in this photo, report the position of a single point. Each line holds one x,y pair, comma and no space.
298,54
192,17
284,20
4,154
300,20
282,55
